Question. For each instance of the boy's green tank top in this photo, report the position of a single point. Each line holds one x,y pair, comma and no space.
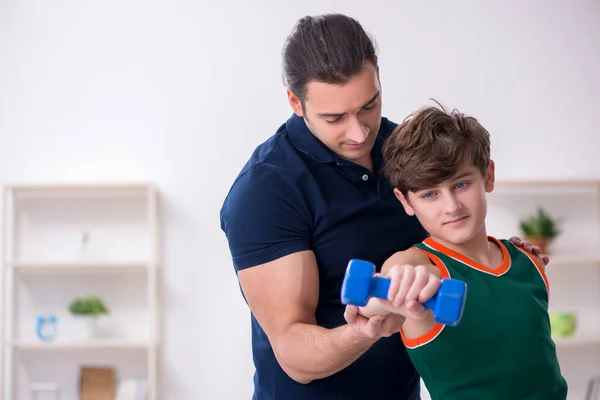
502,348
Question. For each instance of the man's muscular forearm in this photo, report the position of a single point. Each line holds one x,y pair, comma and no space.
309,352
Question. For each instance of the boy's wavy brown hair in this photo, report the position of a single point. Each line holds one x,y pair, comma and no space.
431,145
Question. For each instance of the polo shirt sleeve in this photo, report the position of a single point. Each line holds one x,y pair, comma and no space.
264,217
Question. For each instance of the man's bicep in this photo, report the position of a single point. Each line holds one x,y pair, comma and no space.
268,230
264,219
282,292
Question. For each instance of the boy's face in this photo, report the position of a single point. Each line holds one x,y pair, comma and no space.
455,210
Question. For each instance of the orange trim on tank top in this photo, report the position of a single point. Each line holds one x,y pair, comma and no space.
437,328
538,266
500,270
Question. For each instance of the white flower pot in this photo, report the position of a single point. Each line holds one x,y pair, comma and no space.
84,327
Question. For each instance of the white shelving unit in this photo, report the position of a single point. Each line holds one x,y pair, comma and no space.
574,269
61,242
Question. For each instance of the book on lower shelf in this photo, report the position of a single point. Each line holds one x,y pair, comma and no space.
101,383
97,383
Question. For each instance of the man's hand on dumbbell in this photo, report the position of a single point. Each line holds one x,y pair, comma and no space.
375,307
410,287
373,326
383,317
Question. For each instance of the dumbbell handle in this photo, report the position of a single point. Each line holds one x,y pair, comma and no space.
379,287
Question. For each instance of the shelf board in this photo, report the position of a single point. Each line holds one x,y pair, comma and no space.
80,345
563,259
55,267
549,183
503,188
74,191
36,187
578,340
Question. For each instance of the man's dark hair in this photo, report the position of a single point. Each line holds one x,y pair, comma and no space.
329,48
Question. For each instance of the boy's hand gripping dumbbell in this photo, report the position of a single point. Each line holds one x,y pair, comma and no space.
360,284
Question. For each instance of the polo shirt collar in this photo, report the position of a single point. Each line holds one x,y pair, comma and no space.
304,140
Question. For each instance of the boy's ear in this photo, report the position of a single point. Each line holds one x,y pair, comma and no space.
405,203
490,177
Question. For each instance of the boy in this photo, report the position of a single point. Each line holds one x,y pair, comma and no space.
439,164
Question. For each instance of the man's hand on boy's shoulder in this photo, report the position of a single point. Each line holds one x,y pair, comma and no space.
535,250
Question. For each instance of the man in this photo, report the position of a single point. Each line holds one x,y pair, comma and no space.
308,200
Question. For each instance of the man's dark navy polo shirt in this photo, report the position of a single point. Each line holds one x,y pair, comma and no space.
294,194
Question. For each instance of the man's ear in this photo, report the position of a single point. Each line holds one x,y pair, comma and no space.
405,203
295,103
490,177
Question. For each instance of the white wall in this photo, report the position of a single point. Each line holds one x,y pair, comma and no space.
179,93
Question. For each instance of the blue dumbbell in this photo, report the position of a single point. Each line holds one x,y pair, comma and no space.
359,285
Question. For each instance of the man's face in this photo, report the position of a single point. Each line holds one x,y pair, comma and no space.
346,118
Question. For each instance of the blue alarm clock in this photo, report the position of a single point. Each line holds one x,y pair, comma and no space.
46,329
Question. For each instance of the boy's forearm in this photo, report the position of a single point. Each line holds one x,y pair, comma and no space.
418,327
309,352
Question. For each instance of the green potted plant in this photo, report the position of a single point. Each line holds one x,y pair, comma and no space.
86,311
540,229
